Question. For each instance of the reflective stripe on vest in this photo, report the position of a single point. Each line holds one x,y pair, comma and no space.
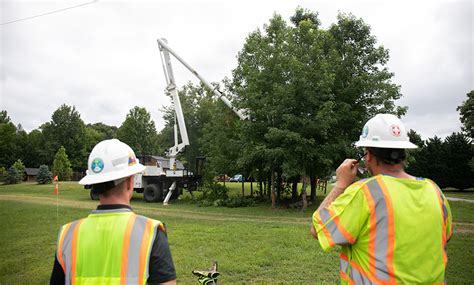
138,235
66,252
356,274
336,231
382,234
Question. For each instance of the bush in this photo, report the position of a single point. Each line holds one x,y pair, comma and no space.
20,167
3,174
13,177
216,195
44,175
214,191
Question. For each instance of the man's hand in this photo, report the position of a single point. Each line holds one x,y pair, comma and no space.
346,173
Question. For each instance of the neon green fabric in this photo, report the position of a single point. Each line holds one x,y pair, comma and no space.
391,231
102,241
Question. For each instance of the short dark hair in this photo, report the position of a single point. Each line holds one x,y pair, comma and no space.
105,188
101,188
390,156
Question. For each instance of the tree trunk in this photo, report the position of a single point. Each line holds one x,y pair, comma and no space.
303,194
294,190
313,188
243,187
279,188
262,190
273,190
251,186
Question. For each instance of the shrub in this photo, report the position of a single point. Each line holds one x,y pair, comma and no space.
216,195
3,174
13,177
20,167
44,175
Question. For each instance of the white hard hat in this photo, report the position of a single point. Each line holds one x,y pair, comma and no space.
111,160
385,131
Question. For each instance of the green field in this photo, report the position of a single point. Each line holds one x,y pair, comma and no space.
256,245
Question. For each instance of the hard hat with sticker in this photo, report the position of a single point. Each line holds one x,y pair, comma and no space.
384,131
110,160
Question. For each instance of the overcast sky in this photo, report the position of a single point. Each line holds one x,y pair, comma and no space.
103,57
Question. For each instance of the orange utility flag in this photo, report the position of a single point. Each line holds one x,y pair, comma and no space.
56,189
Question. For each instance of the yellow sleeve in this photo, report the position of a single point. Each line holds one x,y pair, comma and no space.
342,221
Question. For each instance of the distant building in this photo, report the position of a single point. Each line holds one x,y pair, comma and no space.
30,174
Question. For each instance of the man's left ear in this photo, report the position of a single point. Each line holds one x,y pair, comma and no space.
130,183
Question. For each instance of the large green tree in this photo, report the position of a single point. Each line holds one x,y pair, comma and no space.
139,132
67,129
308,92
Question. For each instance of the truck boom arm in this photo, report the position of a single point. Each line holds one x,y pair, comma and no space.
164,47
172,91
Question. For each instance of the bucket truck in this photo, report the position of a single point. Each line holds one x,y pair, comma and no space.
165,177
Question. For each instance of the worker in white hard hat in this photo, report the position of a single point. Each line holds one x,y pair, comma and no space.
113,245
393,227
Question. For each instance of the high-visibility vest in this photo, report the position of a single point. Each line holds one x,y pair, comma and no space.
107,247
392,231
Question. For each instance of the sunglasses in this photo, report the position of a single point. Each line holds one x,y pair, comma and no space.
361,157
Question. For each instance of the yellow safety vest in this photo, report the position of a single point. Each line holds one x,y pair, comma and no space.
391,231
107,247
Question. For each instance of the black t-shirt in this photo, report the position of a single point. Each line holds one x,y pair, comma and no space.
161,267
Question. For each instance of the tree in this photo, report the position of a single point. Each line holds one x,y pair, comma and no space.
20,167
44,175
8,148
13,176
62,165
308,92
138,131
459,152
466,112
98,132
3,174
67,129
35,153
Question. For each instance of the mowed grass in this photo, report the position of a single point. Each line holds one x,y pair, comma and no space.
254,245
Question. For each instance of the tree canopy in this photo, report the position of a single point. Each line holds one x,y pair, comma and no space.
138,131
308,92
466,113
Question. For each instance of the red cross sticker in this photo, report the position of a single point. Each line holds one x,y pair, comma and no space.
395,130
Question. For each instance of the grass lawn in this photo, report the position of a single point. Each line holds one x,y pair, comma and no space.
256,245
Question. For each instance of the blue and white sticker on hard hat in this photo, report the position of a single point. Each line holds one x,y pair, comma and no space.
365,131
395,130
97,165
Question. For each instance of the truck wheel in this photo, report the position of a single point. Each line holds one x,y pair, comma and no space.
94,196
152,193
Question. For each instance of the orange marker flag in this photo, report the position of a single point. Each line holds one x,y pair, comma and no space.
56,189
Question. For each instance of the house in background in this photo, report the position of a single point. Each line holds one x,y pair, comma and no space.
30,174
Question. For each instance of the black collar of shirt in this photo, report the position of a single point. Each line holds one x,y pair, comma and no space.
113,207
